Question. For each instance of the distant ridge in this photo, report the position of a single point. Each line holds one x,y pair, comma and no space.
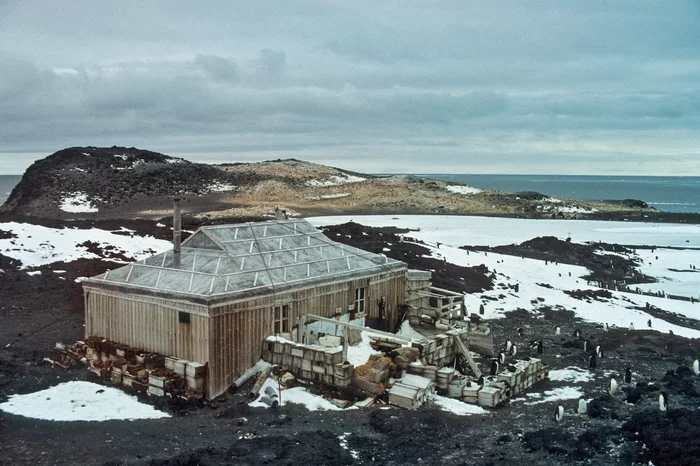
120,182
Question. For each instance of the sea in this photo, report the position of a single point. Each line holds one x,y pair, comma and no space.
665,193
7,182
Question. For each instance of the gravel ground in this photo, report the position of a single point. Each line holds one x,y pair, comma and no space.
39,310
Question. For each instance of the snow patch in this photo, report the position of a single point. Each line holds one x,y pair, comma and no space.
335,180
457,407
36,245
559,394
220,187
296,395
571,374
80,401
466,190
343,438
77,202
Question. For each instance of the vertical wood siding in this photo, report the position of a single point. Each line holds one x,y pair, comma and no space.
146,325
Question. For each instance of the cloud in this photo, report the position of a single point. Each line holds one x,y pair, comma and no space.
468,86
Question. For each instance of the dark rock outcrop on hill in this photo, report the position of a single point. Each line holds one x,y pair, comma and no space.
608,269
387,241
109,178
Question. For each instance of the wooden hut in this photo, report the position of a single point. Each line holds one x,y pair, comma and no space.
215,298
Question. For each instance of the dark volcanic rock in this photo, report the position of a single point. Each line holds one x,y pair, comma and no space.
606,407
670,437
605,268
109,177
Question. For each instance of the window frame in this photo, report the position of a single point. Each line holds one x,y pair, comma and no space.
280,318
360,300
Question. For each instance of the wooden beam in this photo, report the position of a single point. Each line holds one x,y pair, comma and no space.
465,353
359,327
447,292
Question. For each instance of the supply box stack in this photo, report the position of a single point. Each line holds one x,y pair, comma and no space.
309,362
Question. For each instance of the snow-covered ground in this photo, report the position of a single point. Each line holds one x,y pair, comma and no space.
80,401
530,274
490,231
37,245
77,202
335,180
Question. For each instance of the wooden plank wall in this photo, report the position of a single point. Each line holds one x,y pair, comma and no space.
148,325
238,330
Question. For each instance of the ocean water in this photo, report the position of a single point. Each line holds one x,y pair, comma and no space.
665,193
7,182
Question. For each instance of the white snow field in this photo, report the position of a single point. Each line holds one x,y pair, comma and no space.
491,231
335,180
531,274
37,245
80,401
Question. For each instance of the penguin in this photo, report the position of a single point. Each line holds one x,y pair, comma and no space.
606,327
631,326
513,350
628,375
540,347
512,368
613,386
582,406
557,330
598,351
480,381
663,401
577,333
494,368
670,332
508,345
520,331
696,367
481,308
592,361
501,357
559,413
649,323
586,346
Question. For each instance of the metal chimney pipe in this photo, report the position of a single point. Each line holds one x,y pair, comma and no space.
177,232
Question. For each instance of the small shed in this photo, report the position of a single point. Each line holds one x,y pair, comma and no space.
217,298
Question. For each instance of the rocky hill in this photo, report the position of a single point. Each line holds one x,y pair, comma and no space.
119,182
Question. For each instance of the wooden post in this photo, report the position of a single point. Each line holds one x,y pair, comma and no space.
345,344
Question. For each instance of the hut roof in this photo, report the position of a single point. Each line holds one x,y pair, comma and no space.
248,259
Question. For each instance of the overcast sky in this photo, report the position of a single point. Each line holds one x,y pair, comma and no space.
560,87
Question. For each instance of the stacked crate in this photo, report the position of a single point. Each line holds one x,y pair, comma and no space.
309,362
153,373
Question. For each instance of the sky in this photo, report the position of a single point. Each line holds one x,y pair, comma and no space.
453,86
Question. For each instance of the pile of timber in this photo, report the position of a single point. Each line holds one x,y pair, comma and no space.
143,371
315,363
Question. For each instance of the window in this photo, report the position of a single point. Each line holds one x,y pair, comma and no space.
183,317
359,300
281,319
